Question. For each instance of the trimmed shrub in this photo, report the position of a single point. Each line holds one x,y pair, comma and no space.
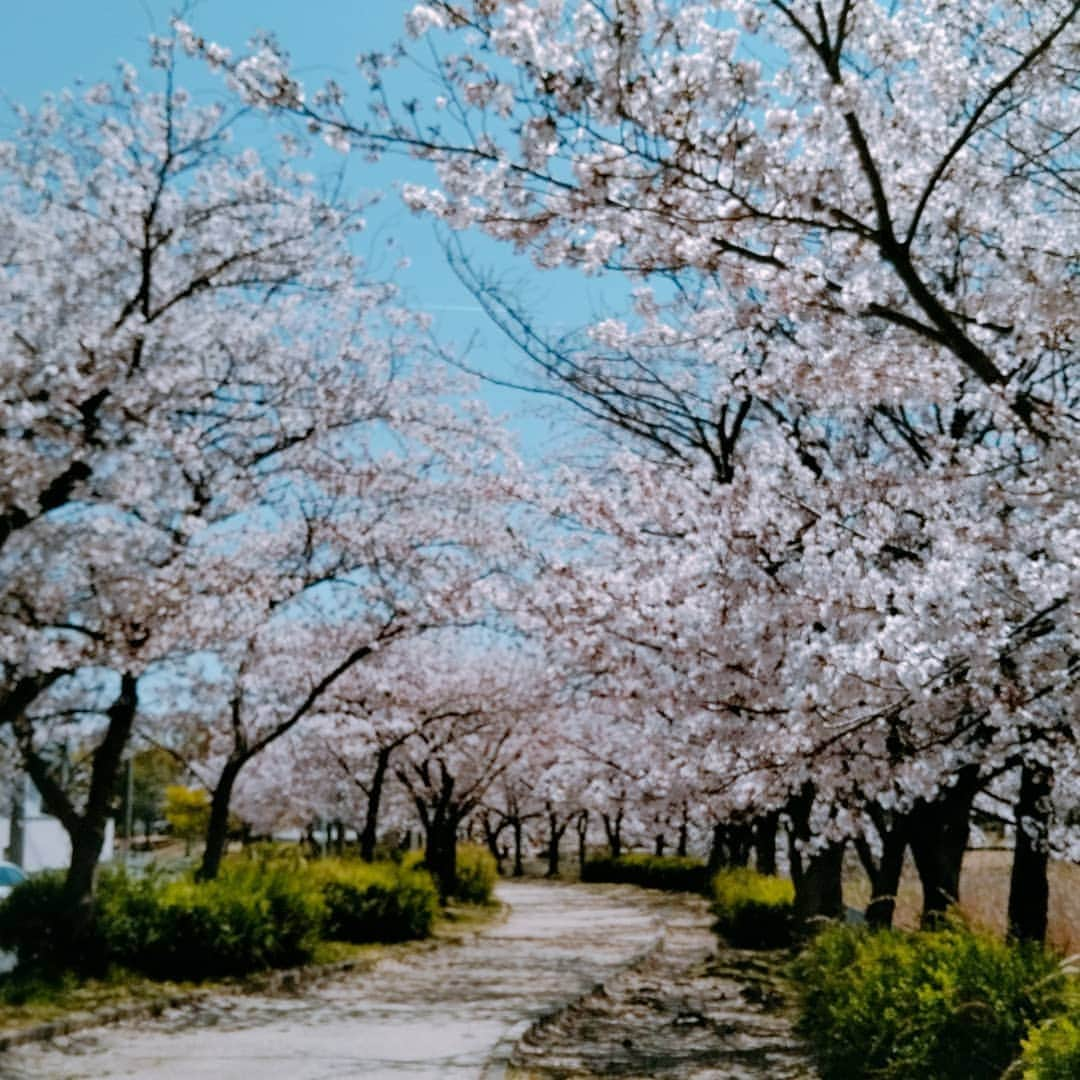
248,919
952,1004
1052,1050
673,873
477,873
35,924
376,901
753,911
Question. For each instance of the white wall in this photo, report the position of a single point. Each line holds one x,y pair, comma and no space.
46,845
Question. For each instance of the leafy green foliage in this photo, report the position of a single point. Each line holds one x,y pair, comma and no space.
377,901
187,810
673,873
753,911
952,1004
264,910
249,918
1052,1050
477,872
35,924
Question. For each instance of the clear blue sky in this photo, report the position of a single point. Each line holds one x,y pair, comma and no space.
47,45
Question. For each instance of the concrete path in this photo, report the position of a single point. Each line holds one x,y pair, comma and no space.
524,989
688,1011
455,1011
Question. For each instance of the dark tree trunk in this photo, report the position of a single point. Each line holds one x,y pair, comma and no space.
440,855
491,839
217,830
683,845
1029,888
659,844
884,871
938,838
765,830
613,831
740,840
717,853
818,876
819,892
555,835
581,826
519,829
86,830
369,833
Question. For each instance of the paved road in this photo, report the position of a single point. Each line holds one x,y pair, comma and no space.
453,1012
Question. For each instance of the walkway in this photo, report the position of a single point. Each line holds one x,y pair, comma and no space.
457,1011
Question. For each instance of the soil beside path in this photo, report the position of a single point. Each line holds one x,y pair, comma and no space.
689,1011
457,1011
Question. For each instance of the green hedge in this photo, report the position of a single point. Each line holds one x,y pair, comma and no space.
477,872
674,873
1052,1050
752,910
261,912
947,1005
377,901
251,917
35,925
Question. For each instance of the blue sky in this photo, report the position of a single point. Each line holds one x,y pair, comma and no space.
48,45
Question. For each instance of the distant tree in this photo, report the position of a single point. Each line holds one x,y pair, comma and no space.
187,811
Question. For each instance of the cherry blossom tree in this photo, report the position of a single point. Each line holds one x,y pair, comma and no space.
848,379
193,355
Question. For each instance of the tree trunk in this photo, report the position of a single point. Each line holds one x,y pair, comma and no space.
716,849
581,826
818,876
884,872
369,833
1029,889
939,834
555,835
659,844
819,892
440,855
491,839
88,831
740,840
217,829
519,864
683,845
613,831
765,830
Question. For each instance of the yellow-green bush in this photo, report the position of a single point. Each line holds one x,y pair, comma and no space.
673,873
1052,1050
752,910
477,872
947,1005
251,917
375,901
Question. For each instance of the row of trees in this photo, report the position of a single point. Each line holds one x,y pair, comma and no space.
826,578
832,573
